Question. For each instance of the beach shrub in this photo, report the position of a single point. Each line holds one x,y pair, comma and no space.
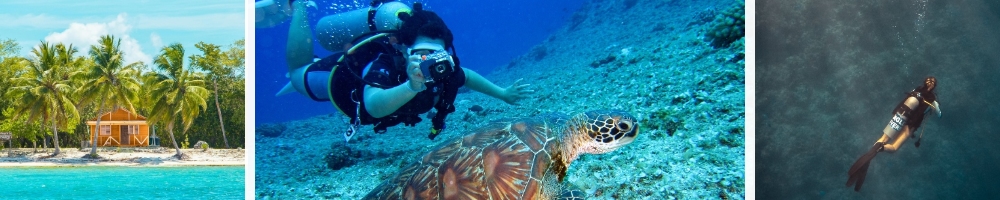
184,143
727,26
202,144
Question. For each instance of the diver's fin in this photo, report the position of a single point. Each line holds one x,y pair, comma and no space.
287,89
861,177
856,175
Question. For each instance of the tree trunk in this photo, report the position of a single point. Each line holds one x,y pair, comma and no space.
222,125
93,144
55,136
45,140
170,129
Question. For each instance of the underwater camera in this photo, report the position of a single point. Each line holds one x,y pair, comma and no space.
436,66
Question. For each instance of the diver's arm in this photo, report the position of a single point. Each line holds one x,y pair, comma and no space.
382,102
476,82
299,47
510,95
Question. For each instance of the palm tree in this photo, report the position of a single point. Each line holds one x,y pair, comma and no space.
44,91
211,60
109,79
182,94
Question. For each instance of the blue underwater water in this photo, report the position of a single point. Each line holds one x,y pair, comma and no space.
488,34
664,62
829,75
122,182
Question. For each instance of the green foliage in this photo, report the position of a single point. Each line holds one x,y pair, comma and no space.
10,67
227,83
109,81
44,92
185,144
8,48
182,90
88,79
728,26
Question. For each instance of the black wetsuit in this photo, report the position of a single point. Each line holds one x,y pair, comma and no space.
386,71
915,117
439,95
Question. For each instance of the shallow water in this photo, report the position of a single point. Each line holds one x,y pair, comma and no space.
123,182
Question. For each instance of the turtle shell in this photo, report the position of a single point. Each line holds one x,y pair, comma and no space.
507,159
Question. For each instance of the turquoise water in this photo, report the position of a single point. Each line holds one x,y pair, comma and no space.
122,183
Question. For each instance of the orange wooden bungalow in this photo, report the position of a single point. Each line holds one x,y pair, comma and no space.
120,128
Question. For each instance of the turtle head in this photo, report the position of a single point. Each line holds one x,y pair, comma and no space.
602,131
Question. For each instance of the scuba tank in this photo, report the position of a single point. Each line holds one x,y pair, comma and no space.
336,32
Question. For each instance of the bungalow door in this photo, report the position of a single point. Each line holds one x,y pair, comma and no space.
125,135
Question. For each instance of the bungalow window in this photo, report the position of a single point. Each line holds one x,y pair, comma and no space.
105,130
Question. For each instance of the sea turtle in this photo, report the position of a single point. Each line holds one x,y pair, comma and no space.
510,159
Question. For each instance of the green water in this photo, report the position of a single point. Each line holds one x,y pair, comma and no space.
122,182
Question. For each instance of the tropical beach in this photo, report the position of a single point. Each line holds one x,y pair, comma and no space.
139,99
151,157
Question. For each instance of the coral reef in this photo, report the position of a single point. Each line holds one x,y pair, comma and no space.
270,129
727,26
341,156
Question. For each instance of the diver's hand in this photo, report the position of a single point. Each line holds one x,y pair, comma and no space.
516,92
414,74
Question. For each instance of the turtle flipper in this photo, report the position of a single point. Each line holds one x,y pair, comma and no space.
572,193
856,175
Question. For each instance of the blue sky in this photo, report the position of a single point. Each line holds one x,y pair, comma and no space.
144,26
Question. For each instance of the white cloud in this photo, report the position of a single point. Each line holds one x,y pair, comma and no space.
84,35
157,41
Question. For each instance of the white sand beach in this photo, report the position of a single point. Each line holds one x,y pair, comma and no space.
73,157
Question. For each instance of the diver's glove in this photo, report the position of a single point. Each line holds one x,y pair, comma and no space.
438,123
434,133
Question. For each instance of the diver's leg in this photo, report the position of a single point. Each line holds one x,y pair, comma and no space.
892,146
299,50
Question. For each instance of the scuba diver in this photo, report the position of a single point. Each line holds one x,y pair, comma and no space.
391,64
906,119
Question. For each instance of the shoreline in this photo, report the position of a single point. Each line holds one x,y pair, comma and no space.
121,157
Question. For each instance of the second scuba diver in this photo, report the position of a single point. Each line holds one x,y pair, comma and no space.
906,118
398,64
